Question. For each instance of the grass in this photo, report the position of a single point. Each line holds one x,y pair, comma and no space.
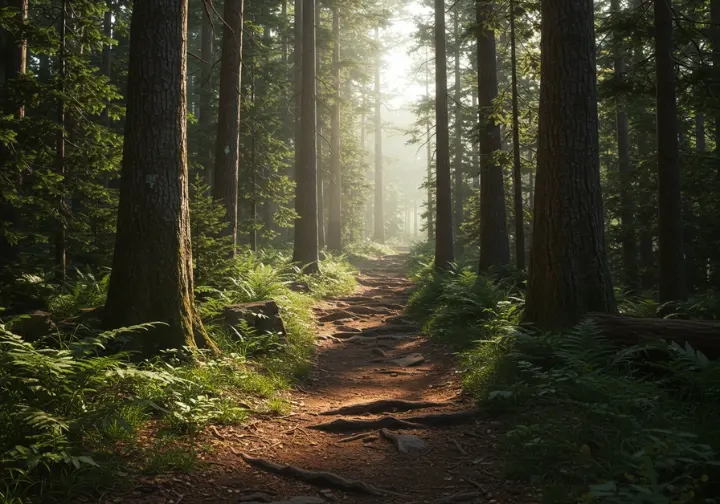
78,417
586,421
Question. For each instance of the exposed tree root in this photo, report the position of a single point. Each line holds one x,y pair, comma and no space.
382,406
318,478
390,422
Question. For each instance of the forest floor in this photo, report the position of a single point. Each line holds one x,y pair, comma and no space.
357,342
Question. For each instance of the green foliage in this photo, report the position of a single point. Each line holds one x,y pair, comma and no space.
368,250
602,424
460,307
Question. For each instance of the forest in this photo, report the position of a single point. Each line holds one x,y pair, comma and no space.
307,251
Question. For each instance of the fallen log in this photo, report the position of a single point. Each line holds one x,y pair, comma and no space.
382,406
625,331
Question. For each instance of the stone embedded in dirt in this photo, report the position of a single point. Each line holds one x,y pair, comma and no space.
398,320
349,329
299,287
343,321
414,359
263,316
256,497
345,335
336,315
378,352
367,310
404,443
391,329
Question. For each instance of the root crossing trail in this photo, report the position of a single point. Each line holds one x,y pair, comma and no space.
382,413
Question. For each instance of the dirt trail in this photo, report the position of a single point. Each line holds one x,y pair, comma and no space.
447,462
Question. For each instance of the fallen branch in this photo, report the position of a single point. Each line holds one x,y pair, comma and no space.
355,438
459,448
382,406
318,478
463,497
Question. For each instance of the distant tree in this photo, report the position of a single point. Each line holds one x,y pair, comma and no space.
306,227
518,204
494,245
14,62
569,275
379,216
444,249
152,275
334,237
670,229
227,154
206,114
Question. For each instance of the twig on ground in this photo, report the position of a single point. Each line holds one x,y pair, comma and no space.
459,448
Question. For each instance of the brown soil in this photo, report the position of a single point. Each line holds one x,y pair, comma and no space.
461,459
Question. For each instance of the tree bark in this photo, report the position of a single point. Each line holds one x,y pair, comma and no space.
379,218
227,146
444,248
517,164
494,245
715,40
14,62
152,278
672,261
306,227
319,140
297,56
207,89
569,275
429,154
458,147
61,224
334,238
627,208
703,336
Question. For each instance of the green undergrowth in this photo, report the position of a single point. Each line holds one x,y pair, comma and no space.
368,250
585,421
79,415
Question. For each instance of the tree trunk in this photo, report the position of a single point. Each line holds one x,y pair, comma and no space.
672,261
320,160
379,220
458,127
297,55
227,153
152,276
14,65
517,165
444,249
207,90
430,206
627,211
715,86
569,274
306,227
494,245
61,224
334,238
